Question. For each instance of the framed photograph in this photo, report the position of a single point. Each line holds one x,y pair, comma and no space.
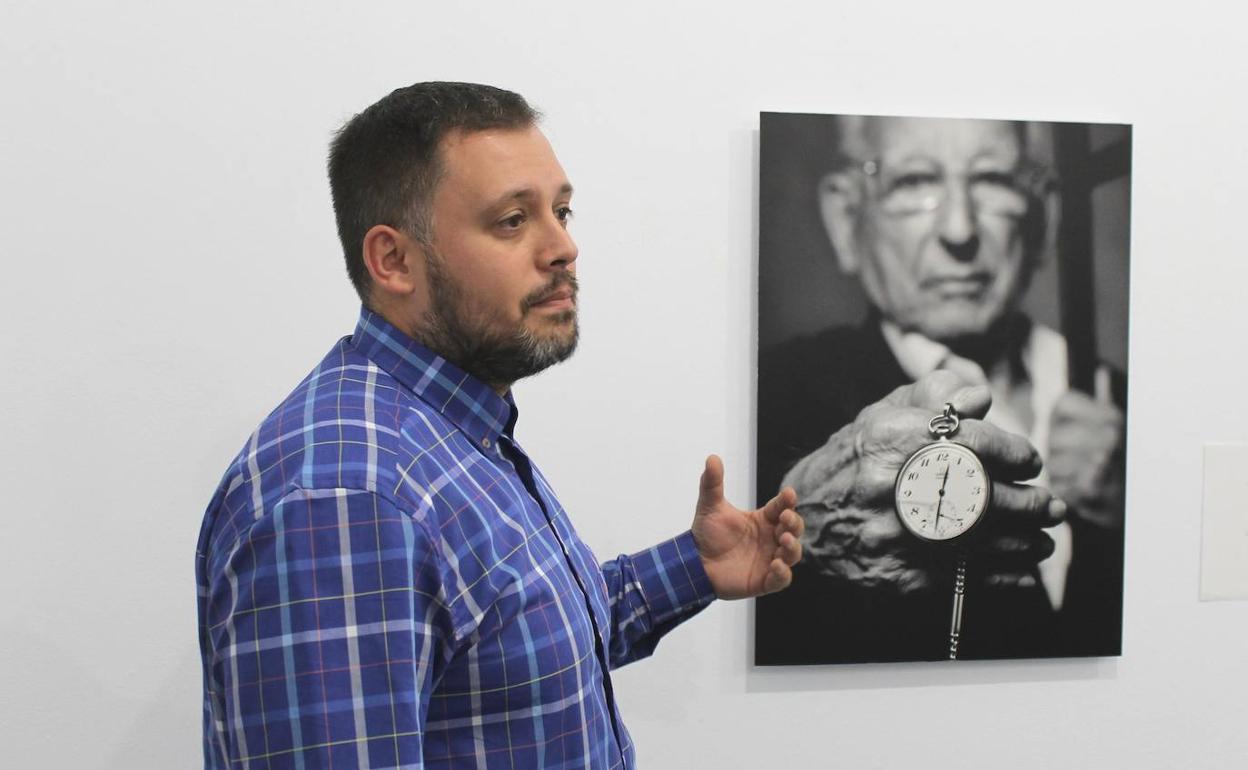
893,246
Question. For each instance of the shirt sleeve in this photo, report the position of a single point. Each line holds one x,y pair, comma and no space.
327,626
652,592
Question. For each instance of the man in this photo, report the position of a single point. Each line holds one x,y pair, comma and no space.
385,577
943,222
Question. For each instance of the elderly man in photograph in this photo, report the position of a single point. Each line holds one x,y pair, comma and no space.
943,222
385,577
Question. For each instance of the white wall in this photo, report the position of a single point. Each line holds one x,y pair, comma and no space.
170,271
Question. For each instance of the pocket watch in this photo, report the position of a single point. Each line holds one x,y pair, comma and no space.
942,492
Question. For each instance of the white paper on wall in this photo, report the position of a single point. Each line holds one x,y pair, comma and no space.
1224,536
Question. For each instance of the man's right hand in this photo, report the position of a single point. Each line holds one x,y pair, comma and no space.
845,489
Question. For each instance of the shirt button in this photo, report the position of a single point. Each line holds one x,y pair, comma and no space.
485,442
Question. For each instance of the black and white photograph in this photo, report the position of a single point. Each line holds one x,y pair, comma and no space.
930,284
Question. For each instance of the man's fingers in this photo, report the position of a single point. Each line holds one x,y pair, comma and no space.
1075,406
711,485
1079,408
932,391
776,506
1030,547
790,521
1007,456
1023,505
779,575
1101,386
1011,579
1013,552
790,549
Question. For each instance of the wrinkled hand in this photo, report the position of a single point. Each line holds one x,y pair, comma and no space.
1085,458
846,493
745,553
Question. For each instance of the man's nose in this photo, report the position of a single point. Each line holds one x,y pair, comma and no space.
559,251
959,232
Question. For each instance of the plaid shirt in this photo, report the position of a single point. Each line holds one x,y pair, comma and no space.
386,580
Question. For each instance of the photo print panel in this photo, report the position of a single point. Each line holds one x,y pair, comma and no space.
998,251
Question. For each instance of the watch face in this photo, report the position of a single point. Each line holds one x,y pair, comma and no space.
942,491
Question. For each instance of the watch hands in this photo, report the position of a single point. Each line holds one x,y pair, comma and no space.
943,481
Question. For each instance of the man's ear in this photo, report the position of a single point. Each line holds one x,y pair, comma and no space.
840,197
394,261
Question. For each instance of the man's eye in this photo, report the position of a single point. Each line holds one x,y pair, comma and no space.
512,222
564,213
993,178
915,180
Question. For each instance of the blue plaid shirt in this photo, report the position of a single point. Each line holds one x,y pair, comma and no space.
386,580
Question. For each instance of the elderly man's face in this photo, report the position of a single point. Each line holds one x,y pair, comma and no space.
936,223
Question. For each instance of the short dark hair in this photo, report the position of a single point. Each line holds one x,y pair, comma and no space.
384,163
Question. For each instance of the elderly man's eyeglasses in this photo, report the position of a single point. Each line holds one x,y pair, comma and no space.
924,189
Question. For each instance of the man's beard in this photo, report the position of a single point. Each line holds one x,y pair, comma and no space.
497,358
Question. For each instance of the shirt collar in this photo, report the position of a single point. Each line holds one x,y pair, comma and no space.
919,355
1040,360
467,402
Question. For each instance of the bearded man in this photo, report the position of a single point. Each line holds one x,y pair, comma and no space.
385,577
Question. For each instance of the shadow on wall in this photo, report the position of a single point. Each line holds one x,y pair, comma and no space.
60,713
167,730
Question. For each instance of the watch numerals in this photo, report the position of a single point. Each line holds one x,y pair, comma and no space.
934,502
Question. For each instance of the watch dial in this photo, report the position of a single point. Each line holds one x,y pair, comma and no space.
942,491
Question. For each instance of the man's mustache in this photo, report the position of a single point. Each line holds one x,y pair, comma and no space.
557,284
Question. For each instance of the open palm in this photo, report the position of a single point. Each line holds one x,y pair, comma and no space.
745,553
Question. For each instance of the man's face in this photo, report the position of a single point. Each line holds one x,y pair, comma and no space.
501,267
938,236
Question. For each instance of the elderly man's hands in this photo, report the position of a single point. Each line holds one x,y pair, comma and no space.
1085,465
845,490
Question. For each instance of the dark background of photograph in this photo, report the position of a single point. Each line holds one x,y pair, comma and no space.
801,289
